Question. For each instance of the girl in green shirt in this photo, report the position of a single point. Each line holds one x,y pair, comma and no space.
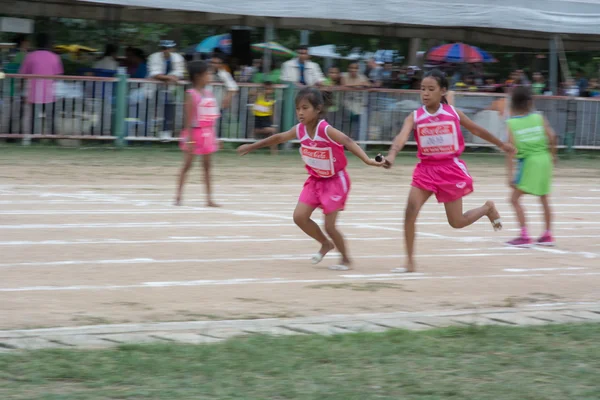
534,139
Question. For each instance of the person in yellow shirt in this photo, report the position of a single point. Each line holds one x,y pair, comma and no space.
263,109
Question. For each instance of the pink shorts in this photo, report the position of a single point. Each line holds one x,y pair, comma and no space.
206,141
448,179
328,193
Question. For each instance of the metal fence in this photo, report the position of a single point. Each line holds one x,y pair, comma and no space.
64,107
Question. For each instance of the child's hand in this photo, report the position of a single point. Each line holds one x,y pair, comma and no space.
374,163
388,162
190,146
244,149
508,148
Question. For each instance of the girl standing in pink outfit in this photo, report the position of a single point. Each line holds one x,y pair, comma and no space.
440,142
328,184
199,137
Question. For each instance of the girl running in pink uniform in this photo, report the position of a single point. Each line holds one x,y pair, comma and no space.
440,142
328,184
199,137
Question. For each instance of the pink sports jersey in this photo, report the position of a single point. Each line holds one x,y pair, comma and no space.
206,109
323,157
438,135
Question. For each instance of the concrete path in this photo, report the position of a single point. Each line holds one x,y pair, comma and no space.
198,332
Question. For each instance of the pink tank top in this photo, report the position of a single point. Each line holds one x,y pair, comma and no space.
438,135
323,157
206,109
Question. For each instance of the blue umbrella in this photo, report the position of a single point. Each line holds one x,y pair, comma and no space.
208,45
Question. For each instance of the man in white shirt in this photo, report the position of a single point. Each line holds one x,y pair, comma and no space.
167,67
224,94
301,71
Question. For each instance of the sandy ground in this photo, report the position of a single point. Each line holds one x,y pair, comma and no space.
89,238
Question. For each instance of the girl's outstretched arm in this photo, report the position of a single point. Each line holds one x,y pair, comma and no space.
484,133
551,135
270,141
351,145
400,140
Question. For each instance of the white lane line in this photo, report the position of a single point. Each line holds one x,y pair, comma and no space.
584,254
195,210
542,269
264,281
278,257
55,242
265,185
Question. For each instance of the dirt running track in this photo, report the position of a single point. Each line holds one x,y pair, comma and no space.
88,238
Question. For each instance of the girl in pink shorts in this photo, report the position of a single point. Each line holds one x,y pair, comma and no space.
198,138
440,142
328,184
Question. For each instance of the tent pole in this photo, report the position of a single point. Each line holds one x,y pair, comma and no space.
269,37
553,66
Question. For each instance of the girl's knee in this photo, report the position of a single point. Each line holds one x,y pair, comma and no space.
456,223
300,218
330,228
411,211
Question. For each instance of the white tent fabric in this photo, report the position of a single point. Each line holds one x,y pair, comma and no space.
550,16
329,51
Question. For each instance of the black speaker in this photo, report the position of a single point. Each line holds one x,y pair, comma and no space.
240,46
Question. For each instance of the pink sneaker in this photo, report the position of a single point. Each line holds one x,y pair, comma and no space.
520,242
546,240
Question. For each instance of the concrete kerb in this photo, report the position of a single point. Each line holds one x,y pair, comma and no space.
213,331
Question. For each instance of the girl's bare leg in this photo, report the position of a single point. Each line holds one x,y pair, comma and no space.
206,166
416,198
515,200
188,159
302,218
458,220
547,212
337,237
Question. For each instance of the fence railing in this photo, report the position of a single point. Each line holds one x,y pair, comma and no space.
65,107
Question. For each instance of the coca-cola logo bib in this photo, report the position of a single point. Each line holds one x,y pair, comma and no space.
438,138
319,159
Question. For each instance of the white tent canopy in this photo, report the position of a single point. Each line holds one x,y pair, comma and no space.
552,16
529,23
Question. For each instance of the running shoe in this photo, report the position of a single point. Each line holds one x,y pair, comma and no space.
520,242
546,240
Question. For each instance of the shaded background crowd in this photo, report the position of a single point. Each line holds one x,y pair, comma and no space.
388,71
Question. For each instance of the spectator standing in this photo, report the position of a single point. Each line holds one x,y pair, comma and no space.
167,67
224,94
355,99
301,71
139,64
582,82
109,59
386,77
40,92
374,72
22,47
538,87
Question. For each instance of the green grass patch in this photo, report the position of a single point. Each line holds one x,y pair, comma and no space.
495,363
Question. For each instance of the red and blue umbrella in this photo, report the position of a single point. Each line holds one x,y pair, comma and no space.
459,53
